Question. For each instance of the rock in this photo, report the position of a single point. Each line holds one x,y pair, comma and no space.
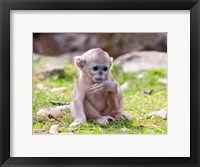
40,86
125,86
140,76
137,128
158,114
36,57
60,89
54,129
54,44
136,61
124,129
160,44
56,112
51,70
40,131
163,81
116,44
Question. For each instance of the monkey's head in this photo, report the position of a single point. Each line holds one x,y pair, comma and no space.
95,64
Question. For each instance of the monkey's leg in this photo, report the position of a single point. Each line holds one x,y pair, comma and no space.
114,96
76,108
92,113
115,102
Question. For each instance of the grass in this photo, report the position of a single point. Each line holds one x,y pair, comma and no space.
136,103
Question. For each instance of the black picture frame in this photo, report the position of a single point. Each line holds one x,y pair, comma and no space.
7,5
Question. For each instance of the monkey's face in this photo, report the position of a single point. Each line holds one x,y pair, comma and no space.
99,72
95,64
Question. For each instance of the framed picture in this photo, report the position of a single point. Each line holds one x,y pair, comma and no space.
99,83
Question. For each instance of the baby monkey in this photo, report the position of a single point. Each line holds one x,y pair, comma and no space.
97,95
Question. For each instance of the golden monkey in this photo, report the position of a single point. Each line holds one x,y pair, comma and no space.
97,95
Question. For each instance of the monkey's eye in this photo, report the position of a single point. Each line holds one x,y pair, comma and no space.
95,68
105,68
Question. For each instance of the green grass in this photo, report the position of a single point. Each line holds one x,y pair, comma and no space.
135,102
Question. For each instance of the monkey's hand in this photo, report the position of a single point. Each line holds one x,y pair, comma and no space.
123,116
106,86
105,120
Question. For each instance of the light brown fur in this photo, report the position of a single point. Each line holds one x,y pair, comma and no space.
97,95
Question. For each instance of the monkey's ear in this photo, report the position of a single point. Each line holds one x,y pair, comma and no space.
111,62
80,62
111,59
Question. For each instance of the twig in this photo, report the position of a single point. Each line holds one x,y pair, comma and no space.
51,116
58,103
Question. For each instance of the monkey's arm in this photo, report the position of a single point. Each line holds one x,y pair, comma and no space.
106,86
114,96
76,108
115,99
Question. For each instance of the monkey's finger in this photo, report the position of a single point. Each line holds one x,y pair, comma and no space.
103,121
99,121
96,86
128,118
120,117
100,92
123,117
106,122
109,118
117,119
97,90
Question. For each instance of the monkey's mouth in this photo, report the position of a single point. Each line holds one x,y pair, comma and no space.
98,80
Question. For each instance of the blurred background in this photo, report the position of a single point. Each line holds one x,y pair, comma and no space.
131,51
139,66
116,44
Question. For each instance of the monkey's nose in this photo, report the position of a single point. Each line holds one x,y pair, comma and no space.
100,73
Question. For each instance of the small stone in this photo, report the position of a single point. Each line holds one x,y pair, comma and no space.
140,76
163,81
125,86
124,129
56,112
60,89
39,131
54,129
159,114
